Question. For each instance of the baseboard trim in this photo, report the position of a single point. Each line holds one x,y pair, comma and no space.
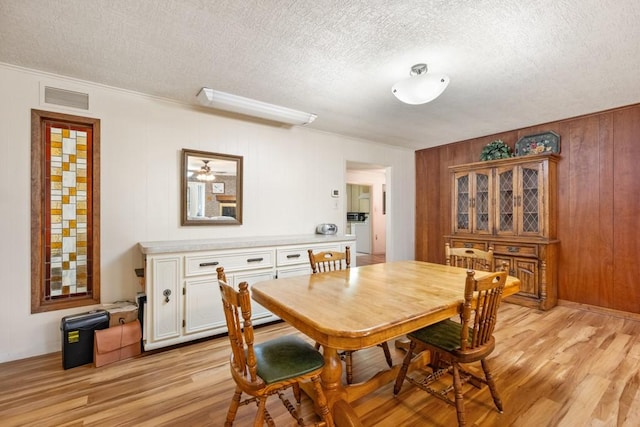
601,310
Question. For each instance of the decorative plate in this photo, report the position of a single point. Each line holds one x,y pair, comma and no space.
540,143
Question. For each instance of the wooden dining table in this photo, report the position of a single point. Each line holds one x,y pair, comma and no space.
364,306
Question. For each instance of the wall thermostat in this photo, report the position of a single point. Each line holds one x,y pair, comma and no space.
335,193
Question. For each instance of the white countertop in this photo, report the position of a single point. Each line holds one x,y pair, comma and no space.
169,246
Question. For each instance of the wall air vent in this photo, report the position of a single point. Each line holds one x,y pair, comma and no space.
66,98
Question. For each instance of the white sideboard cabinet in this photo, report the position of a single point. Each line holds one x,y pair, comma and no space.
181,286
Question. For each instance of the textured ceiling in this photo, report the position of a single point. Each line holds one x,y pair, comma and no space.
511,63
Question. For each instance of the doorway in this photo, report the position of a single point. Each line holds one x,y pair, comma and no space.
368,185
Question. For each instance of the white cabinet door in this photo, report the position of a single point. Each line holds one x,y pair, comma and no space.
259,314
294,271
166,297
203,306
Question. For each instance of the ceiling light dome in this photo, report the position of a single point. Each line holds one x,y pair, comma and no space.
421,87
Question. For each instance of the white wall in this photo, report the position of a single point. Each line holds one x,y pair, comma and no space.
288,176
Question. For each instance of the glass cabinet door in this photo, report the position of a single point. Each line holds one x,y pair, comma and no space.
530,200
462,203
506,201
472,202
481,202
519,200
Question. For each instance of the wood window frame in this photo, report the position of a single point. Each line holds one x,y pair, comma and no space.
40,157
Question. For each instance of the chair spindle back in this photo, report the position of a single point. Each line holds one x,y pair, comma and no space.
237,313
469,258
484,309
329,260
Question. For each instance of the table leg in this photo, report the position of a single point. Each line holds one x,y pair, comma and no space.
344,415
332,376
338,395
334,391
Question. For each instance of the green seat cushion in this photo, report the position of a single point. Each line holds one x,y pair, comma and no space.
444,335
286,357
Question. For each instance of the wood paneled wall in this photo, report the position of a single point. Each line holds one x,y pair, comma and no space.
598,203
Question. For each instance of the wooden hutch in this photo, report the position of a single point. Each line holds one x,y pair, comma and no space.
510,205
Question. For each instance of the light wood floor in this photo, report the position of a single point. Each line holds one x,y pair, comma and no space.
368,259
564,367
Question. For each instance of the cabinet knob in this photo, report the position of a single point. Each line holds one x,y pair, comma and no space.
293,256
166,294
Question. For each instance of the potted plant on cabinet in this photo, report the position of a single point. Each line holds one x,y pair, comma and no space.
494,150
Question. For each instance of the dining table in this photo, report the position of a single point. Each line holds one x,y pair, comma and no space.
361,307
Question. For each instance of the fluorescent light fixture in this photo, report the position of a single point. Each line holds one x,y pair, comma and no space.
251,107
420,88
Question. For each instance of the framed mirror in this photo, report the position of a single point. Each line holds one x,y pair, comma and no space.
211,188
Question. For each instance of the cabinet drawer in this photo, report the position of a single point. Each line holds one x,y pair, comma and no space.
206,264
467,244
516,249
293,256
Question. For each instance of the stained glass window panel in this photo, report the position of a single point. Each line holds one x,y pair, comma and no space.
65,211
66,218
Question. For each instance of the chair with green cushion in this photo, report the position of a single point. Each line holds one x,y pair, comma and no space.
455,343
268,368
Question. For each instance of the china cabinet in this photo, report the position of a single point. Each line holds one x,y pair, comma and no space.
510,205
181,286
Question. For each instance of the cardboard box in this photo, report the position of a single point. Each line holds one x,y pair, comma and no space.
121,312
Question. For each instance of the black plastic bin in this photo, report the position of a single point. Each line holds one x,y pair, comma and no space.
77,336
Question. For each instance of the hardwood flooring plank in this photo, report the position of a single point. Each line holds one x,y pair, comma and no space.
537,415
589,392
630,394
567,366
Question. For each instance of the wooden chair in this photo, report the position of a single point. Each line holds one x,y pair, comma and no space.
469,258
458,343
330,261
261,370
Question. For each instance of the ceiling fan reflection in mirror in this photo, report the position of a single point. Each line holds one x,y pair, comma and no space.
205,174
